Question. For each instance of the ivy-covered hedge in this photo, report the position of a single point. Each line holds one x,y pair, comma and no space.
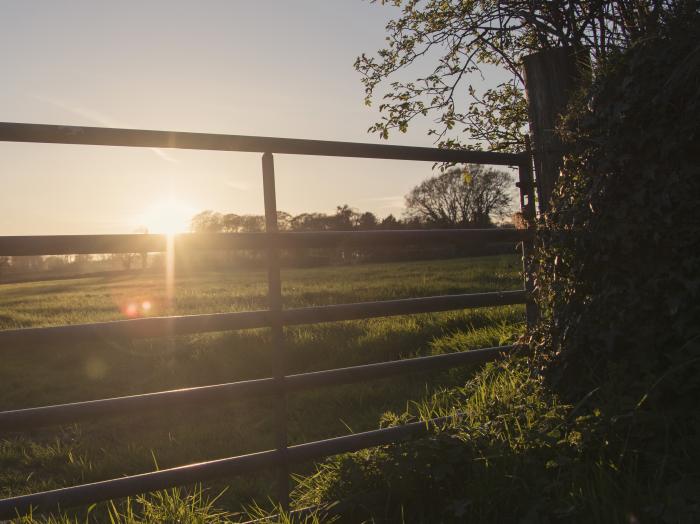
619,260
619,255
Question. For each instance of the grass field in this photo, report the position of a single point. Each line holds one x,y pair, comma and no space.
33,376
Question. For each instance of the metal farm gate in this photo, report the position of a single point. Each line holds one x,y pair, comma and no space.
275,317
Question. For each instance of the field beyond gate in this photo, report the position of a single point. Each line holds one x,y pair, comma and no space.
127,445
276,316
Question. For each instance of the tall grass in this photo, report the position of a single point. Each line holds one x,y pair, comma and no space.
85,452
512,453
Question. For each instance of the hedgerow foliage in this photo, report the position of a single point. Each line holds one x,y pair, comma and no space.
619,262
619,254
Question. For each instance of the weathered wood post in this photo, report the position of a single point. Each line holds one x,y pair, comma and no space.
527,209
551,77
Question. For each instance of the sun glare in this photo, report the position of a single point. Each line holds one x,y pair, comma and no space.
169,216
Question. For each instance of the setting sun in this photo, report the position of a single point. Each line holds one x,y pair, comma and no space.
168,216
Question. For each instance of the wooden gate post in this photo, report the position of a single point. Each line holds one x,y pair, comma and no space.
529,215
551,77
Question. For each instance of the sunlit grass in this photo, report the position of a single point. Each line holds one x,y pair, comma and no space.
101,298
73,454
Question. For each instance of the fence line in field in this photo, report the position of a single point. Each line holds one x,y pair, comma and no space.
280,384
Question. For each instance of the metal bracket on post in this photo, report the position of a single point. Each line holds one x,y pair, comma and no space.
275,306
527,210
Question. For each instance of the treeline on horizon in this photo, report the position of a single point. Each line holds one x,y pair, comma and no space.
460,197
344,219
467,196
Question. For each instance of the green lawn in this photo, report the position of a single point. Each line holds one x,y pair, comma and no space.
33,376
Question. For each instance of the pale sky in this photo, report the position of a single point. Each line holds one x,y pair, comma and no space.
269,68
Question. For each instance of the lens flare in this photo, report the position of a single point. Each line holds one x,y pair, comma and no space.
131,310
137,307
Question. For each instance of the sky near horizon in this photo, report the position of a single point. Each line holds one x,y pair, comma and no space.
268,68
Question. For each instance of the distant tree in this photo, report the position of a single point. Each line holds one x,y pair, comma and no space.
252,224
228,223
415,222
207,222
346,218
390,222
312,222
367,220
463,196
233,223
284,221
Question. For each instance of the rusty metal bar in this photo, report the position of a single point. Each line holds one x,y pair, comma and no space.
205,323
101,136
32,418
215,469
274,281
136,243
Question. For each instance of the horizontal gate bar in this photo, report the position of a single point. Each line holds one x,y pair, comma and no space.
30,418
102,136
203,471
143,243
135,328
406,306
189,324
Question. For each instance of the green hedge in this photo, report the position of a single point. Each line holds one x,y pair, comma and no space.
619,255
619,263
